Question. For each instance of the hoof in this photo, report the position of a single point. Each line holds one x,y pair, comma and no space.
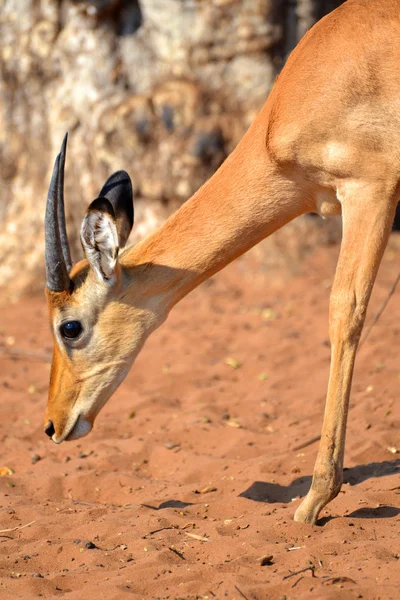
306,513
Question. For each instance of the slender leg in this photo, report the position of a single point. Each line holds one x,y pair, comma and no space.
367,221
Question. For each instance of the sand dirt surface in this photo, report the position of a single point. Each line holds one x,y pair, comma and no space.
195,467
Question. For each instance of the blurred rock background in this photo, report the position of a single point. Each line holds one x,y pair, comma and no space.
162,88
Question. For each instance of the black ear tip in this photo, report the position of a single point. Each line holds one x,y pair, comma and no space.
102,205
118,190
119,178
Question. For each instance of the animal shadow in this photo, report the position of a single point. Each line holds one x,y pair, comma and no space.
381,512
169,504
271,493
261,491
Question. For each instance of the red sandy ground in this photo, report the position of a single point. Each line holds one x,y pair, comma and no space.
190,445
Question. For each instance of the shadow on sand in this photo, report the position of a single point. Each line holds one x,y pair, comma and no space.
270,493
169,504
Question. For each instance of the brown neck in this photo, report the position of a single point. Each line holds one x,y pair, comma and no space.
246,200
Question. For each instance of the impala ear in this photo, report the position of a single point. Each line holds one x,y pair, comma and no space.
118,191
99,239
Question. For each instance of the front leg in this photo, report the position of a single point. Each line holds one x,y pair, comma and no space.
367,221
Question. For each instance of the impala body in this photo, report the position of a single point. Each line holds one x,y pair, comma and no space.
328,141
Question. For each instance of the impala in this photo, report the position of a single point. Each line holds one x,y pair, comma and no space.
327,141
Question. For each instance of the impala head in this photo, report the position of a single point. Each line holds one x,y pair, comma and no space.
97,333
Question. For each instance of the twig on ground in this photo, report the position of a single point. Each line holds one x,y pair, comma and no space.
380,311
173,549
85,503
296,582
308,443
310,568
200,538
158,530
241,593
16,528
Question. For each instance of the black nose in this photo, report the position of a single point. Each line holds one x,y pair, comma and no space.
49,429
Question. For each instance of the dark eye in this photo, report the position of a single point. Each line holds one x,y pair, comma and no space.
71,329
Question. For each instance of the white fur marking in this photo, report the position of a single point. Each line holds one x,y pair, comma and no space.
100,241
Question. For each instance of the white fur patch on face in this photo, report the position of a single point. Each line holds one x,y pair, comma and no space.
100,241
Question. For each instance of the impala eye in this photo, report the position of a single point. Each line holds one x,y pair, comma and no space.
71,329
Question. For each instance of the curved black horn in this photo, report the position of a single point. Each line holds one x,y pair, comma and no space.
57,278
60,207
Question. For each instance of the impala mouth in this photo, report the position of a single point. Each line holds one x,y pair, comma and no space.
80,428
